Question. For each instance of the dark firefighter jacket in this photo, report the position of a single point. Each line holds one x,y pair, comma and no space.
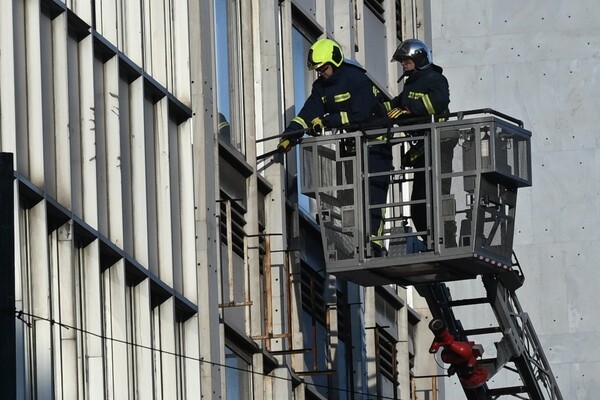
425,92
347,97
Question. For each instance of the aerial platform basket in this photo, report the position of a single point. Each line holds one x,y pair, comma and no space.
471,166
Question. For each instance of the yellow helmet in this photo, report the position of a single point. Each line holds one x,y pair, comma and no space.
324,51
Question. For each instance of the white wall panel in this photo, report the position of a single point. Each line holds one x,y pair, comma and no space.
188,236
8,129
114,308
138,172
61,118
193,383
131,30
166,338
35,131
91,309
88,132
155,39
113,151
163,192
65,299
83,9
106,19
541,60
143,370
180,42
39,286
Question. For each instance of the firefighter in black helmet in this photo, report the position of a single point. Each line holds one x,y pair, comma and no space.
342,96
425,93
426,90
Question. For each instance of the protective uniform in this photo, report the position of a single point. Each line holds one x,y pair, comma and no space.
425,92
345,98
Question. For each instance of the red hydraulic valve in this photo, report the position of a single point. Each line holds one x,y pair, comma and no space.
460,355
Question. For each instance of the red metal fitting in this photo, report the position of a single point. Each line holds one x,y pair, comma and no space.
461,355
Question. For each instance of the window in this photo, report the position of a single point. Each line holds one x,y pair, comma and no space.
227,52
375,48
314,328
303,79
237,376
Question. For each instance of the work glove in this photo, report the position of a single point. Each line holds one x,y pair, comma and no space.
398,112
317,127
285,145
414,156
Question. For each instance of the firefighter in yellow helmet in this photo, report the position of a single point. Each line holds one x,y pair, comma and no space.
341,96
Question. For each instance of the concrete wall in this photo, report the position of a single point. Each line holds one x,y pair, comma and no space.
539,61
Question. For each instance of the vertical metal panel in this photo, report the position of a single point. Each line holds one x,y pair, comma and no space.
74,126
252,261
151,129
155,39
166,338
402,346
205,194
65,297
20,85
113,151
192,361
101,142
83,9
61,118
167,36
125,164
35,110
39,285
106,19
176,203
144,375
131,29
88,132
188,236
8,128
180,44
138,172
116,323
89,269
47,99
163,189
371,349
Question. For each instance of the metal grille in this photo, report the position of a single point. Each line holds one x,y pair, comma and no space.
399,20
377,7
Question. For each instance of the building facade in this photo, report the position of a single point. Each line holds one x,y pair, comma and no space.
157,253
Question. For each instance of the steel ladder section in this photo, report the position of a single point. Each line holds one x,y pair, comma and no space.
519,344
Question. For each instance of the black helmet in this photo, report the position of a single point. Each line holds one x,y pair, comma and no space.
416,51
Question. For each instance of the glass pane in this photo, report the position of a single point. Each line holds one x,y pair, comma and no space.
237,376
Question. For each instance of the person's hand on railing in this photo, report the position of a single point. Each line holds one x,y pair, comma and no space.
398,112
